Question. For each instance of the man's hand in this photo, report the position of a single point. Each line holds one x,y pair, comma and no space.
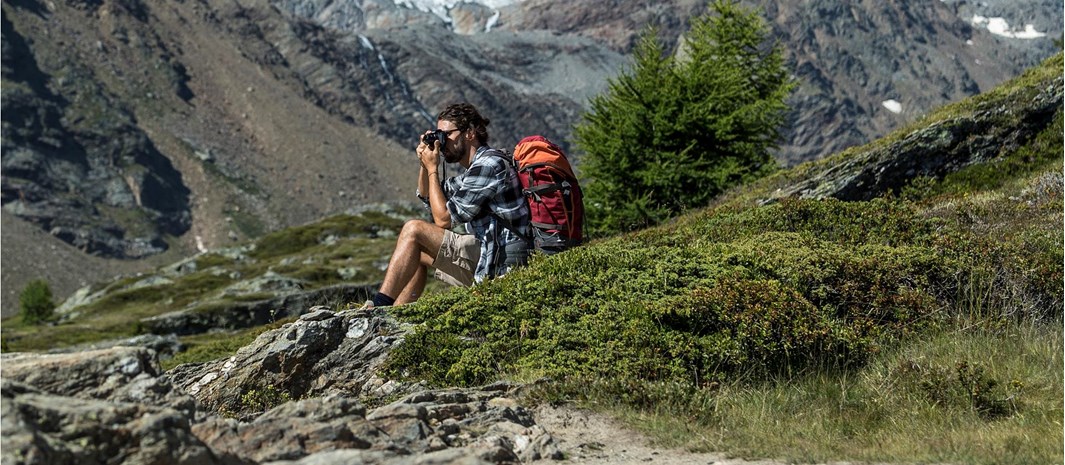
430,158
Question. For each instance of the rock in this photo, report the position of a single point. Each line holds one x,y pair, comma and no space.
164,346
346,457
268,282
470,18
44,428
294,430
932,151
120,374
307,358
88,407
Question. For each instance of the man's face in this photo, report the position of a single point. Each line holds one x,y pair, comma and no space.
455,145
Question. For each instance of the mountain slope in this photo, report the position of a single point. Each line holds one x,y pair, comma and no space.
134,127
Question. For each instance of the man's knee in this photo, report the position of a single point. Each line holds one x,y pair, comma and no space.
423,233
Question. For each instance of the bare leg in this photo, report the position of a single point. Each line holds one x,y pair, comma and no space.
417,242
416,285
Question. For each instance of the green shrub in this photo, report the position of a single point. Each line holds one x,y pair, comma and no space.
263,399
35,302
773,301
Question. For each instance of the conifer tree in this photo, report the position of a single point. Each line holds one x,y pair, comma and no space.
35,302
674,132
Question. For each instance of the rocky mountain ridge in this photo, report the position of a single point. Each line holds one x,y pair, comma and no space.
136,127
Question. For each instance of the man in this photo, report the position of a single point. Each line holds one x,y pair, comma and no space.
487,197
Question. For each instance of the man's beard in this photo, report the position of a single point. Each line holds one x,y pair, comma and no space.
453,152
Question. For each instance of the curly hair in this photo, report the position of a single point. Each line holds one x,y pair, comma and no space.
466,116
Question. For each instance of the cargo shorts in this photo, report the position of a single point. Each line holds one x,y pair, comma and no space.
457,258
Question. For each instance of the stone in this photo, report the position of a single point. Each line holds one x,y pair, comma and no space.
119,374
294,430
40,427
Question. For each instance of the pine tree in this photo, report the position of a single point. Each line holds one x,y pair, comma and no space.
673,133
35,302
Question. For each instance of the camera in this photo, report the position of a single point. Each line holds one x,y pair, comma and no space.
432,138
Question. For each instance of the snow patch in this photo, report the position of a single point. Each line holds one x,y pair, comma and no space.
999,27
441,7
892,105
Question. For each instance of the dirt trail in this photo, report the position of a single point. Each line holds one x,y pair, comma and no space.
590,438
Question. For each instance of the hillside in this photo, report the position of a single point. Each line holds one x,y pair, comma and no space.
139,128
914,280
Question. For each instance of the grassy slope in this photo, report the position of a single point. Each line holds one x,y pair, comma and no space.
315,254
920,327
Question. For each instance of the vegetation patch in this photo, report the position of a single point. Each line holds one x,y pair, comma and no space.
213,346
292,240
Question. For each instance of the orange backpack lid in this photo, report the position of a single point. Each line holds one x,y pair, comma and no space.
538,149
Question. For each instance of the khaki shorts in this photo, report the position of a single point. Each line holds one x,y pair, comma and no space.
457,258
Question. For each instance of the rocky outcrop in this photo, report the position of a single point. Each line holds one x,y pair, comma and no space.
121,374
994,127
45,428
113,406
77,165
323,353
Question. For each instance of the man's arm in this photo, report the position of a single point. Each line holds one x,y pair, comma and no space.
437,200
423,183
429,185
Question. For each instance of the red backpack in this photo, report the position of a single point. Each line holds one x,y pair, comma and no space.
555,199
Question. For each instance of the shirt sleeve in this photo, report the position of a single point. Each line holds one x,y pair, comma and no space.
470,195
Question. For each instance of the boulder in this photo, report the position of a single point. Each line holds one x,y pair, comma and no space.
44,428
322,353
294,430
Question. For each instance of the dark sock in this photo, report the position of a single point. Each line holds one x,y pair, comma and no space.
381,300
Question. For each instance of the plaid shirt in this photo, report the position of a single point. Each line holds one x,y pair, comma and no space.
490,185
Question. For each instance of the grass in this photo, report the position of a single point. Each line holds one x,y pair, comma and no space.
888,411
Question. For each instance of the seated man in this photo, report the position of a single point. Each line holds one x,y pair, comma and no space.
487,197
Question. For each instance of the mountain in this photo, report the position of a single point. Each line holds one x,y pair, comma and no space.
135,129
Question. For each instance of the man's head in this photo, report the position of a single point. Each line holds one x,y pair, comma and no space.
465,129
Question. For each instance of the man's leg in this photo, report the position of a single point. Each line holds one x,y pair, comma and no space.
418,241
417,284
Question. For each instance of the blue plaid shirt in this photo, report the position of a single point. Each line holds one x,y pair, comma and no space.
490,185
